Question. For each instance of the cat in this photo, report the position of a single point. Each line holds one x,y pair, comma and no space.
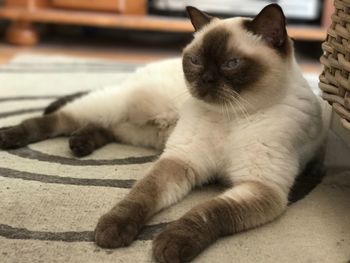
235,107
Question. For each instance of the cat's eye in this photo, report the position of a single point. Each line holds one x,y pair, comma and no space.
231,64
195,61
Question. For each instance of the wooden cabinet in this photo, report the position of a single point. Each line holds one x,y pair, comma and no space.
100,5
27,3
120,6
23,13
135,7
128,14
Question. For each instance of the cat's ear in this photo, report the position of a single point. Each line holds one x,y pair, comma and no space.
270,24
198,18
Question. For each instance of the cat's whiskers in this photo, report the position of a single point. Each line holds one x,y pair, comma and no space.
223,107
242,108
228,106
233,105
234,101
226,101
234,110
239,100
228,111
243,99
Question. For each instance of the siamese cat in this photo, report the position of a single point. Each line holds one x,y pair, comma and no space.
235,107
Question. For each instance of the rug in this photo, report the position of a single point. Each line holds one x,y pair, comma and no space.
50,201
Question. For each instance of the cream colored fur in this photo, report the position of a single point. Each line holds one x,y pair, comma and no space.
267,137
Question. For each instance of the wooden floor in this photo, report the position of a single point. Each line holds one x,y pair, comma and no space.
106,49
118,54
86,43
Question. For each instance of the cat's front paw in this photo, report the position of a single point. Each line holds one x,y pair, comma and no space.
113,231
12,138
175,245
81,145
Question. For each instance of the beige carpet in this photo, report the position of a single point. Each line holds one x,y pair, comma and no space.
50,201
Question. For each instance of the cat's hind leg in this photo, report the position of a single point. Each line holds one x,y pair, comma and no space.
37,129
247,205
89,138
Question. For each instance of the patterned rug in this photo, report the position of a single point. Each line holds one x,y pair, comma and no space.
50,201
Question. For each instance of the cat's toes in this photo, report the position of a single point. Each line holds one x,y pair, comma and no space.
113,231
11,139
81,145
174,245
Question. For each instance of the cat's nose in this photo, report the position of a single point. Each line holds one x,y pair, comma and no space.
208,77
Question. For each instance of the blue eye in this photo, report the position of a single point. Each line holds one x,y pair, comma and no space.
232,63
195,61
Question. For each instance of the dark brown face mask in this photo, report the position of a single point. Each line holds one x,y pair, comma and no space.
214,71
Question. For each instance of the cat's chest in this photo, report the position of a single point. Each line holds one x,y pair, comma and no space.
223,137
209,133
219,138
215,137
213,133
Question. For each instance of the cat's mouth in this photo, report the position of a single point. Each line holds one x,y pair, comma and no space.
206,94
209,98
212,94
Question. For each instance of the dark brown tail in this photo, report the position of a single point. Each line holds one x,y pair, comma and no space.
54,106
309,178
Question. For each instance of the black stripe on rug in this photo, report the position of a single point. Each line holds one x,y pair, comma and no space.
148,233
41,97
19,112
29,153
52,179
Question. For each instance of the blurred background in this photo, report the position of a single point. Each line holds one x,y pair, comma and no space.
141,30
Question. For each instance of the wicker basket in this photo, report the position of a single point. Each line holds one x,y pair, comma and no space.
335,78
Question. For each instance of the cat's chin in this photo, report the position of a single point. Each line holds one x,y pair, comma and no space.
206,98
214,106
209,99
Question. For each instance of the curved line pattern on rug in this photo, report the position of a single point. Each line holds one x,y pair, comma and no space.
52,179
19,112
28,153
38,97
148,233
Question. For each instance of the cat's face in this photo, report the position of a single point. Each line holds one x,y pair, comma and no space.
235,58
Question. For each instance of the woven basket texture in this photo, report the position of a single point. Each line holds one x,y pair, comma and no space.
335,78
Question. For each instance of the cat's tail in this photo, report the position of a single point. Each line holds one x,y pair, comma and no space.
57,104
